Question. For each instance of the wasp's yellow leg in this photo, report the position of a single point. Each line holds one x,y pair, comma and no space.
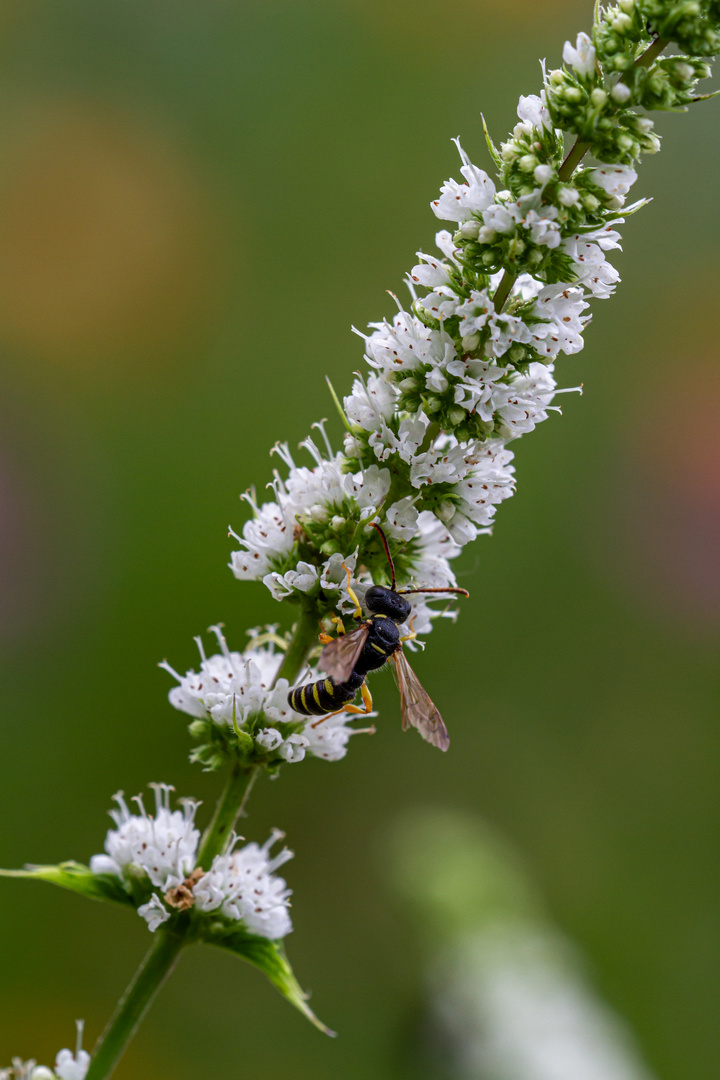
357,613
367,703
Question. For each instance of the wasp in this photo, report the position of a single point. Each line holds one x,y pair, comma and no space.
348,658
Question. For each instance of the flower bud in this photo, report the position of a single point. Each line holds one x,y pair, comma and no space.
620,92
486,235
568,196
197,729
621,23
590,203
319,513
41,1072
598,97
446,511
573,94
337,522
626,5
456,415
543,173
470,229
527,163
470,343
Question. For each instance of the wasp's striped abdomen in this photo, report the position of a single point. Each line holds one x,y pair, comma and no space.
324,696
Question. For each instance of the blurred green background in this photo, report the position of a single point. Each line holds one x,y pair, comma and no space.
196,202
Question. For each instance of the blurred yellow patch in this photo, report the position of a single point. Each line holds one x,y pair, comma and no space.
108,249
458,23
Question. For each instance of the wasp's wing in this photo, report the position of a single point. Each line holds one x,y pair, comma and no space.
416,708
339,657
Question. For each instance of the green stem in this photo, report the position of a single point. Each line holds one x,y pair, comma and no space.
136,1001
304,637
570,164
230,806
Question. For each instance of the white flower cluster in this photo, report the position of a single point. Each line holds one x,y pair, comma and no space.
453,380
68,1066
243,886
164,846
233,688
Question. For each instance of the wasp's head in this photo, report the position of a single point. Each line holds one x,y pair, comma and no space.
382,601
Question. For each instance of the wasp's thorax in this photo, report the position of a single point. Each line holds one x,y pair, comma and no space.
382,601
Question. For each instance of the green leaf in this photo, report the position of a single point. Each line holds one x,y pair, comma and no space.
338,406
77,878
706,97
494,152
269,957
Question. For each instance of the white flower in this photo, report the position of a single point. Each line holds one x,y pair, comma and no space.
269,739
154,912
561,307
479,312
581,58
616,180
400,347
405,443
303,579
328,737
479,493
243,885
233,685
525,401
401,519
368,489
441,303
266,536
372,402
293,748
163,845
69,1066
591,267
458,202
532,110
502,217
430,272
543,229
26,1070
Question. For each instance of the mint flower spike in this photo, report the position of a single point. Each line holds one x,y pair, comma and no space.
469,362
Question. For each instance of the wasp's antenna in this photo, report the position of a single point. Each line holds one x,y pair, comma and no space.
377,528
458,592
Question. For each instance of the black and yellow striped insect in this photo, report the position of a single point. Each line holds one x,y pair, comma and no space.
348,658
